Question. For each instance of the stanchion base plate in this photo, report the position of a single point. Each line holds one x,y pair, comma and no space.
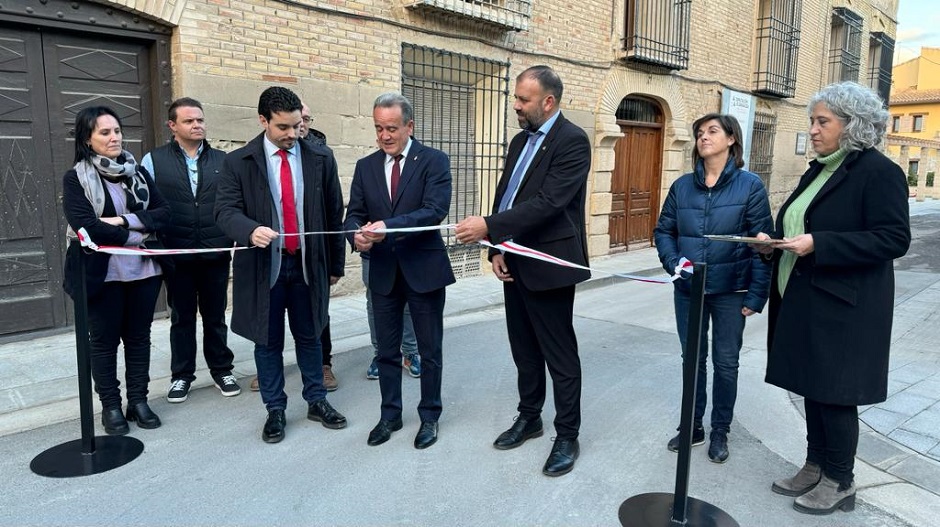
68,461
655,510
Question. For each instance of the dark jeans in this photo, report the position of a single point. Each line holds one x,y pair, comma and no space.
292,294
121,312
427,313
724,312
202,285
832,439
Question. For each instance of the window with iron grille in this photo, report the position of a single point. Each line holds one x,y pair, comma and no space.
762,146
638,110
845,45
460,106
778,39
880,60
657,32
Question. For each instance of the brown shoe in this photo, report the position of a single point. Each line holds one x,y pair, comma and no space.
254,385
827,496
801,483
329,380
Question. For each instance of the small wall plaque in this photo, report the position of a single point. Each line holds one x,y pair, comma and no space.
801,143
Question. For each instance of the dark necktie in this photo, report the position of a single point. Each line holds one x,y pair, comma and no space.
396,177
506,202
288,206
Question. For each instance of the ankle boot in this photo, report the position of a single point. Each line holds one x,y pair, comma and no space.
801,483
112,419
826,497
144,416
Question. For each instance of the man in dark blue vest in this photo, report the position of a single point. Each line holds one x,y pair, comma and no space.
186,171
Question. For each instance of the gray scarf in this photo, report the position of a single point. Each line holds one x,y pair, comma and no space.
121,170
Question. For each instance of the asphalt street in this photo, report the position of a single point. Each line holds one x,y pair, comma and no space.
207,465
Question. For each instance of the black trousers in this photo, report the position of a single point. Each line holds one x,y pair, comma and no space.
122,312
427,313
202,285
832,439
541,333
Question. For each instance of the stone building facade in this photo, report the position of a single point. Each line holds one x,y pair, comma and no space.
914,129
637,73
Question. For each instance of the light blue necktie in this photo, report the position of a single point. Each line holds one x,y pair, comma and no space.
513,186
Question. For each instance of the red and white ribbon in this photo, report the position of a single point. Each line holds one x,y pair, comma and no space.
522,250
143,251
509,246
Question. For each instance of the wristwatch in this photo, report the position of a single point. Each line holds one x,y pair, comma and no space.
124,222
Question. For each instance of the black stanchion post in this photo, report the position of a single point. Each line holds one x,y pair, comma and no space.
83,355
90,454
661,509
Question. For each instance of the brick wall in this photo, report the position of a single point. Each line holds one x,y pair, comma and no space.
339,55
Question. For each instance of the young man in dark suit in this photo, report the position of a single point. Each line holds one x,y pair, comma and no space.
405,184
274,185
539,203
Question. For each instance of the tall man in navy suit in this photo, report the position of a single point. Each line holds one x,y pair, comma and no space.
405,184
539,203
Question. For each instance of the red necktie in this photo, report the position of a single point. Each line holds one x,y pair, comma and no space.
396,176
288,207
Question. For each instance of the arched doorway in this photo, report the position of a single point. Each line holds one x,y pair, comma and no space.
637,174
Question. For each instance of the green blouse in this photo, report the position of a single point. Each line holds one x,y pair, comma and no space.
793,220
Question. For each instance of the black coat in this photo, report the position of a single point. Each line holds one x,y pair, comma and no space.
548,212
243,202
80,214
830,334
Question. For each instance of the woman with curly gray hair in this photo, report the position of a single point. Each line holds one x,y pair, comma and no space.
832,288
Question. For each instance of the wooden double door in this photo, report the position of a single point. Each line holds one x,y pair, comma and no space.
46,77
635,185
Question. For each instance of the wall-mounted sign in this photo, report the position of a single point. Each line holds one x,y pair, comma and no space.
741,107
801,143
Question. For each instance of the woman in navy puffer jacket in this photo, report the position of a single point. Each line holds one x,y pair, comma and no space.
717,198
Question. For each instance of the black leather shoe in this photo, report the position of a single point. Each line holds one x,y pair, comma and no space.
144,416
274,427
114,422
517,434
427,434
561,460
383,431
324,412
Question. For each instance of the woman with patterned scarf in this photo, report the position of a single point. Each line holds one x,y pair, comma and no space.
115,201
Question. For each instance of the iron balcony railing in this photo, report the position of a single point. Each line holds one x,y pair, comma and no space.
657,32
778,39
510,15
